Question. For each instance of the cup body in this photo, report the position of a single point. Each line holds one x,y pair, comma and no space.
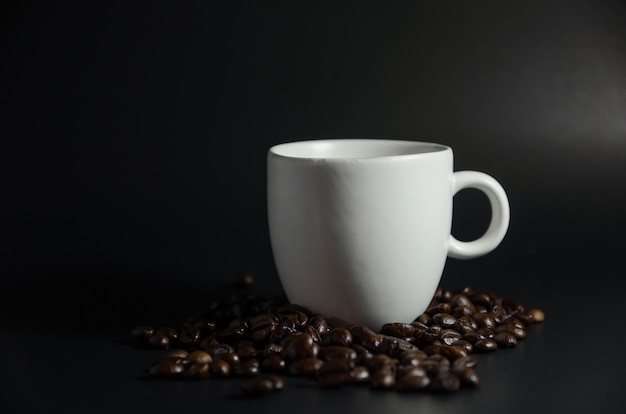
360,228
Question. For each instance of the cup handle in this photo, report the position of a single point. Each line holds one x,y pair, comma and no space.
500,215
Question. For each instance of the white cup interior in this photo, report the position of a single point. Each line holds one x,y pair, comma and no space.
354,148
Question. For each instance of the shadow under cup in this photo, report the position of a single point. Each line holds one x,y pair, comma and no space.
360,228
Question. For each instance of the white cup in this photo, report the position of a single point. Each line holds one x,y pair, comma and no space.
361,228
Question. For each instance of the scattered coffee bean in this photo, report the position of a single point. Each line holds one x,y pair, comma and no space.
246,336
274,363
305,366
142,333
383,379
197,371
485,345
167,368
505,339
536,315
446,382
248,367
199,357
413,382
257,387
159,341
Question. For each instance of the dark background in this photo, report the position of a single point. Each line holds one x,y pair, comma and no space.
134,135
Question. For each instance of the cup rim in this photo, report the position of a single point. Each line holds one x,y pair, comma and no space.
355,149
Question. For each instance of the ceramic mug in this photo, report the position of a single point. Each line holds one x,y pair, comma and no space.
360,229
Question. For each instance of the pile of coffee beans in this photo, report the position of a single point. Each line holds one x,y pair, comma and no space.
265,339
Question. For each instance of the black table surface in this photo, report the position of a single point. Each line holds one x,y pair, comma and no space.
72,352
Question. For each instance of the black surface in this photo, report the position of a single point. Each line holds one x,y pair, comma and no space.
133,138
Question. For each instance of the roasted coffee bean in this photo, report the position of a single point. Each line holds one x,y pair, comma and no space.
288,322
418,327
338,336
485,345
199,357
536,315
360,374
364,336
411,370
278,382
513,321
436,364
446,382
382,362
434,348
449,336
167,368
505,339
465,324
190,336
394,346
263,321
232,359
472,337
439,308
336,365
247,367
413,383
220,368
463,311
274,363
272,349
261,335
337,352
384,379
197,371
512,305
208,342
466,345
464,362
399,330
320,324
159,341
460,300
206,327
413,357
177,353
288,337
142,333
301,346
481,299
362,354
485,332
429,336
468,377
485,320
231,334
424,319
168,331
336,379
453,352
443,294
445,320
257,387
246,349
520,333
305,366
219,349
